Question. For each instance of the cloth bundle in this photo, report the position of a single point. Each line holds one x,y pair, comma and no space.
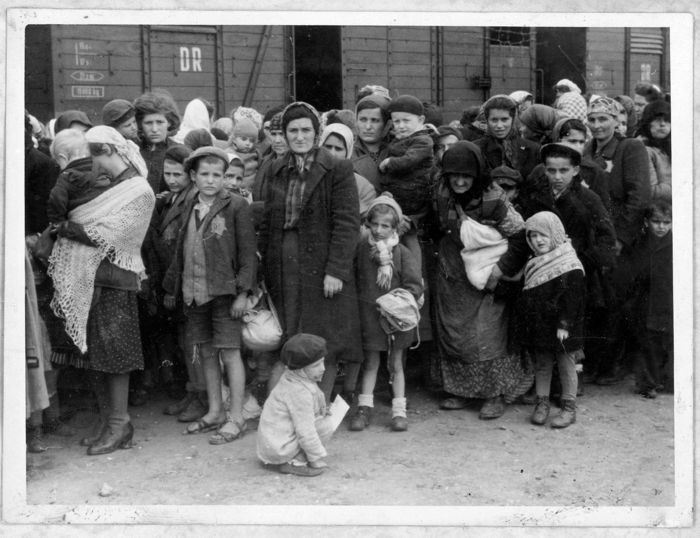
483,247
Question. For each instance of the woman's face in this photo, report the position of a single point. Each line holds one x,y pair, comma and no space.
527,133
602,126
336,146
639,103
461,183
370,125
659,128
622,123
300,135
155,128
277,142
444,143
500,122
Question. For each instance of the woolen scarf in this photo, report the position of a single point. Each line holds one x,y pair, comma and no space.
561,259
381,254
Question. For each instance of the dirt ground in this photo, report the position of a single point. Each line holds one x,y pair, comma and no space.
619,453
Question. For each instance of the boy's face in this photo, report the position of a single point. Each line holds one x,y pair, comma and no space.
233,177
174,175
209,177
575,140
659,224
560,173
381,226
370,125
540,243
128,129
315,370
405,124
155,128
244,143
499,122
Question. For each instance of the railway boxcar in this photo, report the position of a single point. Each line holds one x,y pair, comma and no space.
84,66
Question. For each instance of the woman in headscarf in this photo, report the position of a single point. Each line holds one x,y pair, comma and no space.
475,360
96,268
569,100
655,132
196,117
537,123
308,237
502,144
373,123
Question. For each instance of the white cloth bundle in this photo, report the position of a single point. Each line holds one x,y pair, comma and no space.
483,247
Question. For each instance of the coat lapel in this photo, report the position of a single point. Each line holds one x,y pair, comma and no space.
217,206
316,173
177,208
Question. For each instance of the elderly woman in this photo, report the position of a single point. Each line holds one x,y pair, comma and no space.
308,235
96,266
475,360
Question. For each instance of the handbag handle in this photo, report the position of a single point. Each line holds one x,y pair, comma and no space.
270,304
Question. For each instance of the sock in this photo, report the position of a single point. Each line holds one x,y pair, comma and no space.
398,407
365,399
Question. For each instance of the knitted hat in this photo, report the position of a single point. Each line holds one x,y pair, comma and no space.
206,151
556,150
386,198
245,127
506,172
117,112
178,153
604,105
302,350
65,120
408,104
462,158
374,100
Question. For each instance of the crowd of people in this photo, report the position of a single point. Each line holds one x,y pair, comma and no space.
514,254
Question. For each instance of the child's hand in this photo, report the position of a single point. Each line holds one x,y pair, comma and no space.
331,286
562,334
383,165
169,301
239,305
494,277
318,464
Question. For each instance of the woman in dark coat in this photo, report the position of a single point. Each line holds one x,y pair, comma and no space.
472,324
308,237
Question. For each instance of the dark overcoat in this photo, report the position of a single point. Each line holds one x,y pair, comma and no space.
328,228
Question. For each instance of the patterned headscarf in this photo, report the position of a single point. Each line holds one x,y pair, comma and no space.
572,105
605,105
126,149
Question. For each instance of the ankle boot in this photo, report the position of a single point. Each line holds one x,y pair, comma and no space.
35,443
541,411
567,415
113,437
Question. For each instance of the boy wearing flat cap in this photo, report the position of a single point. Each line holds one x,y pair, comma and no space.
214,271
121,114
294,424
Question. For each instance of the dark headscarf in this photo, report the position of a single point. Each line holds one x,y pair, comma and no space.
541,119
465,158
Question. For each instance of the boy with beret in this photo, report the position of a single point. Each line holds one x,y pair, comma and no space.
121,114
214,271
294,424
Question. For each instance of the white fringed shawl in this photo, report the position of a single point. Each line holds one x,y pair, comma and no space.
116,221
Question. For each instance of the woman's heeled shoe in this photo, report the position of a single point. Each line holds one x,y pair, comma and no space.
112,438
97,433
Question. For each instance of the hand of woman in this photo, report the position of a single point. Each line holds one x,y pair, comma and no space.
562,334
383,165
494,277
404,225
331,286
239,305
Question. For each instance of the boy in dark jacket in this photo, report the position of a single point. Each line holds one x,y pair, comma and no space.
553,301
214,271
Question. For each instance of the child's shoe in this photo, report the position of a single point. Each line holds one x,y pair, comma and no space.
567,415
360,419
541,411
399,424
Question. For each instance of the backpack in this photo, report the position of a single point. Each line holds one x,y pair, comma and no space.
398,311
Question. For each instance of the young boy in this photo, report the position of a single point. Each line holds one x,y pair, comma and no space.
244,141
214,271
233,179
294,424
407,169
120,114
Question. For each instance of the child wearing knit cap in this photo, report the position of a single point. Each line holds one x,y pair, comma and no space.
294,424
247,124
383,265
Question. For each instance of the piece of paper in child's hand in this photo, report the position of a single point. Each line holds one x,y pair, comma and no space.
338,409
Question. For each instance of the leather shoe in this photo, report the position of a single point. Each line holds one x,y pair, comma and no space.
113,437
195,410
178,407
492,408
299,470
453,402
399,424
360,419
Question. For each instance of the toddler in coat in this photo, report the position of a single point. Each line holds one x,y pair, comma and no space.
294,425
554,299
383,265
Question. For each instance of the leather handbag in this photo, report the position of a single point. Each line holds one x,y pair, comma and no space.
261,326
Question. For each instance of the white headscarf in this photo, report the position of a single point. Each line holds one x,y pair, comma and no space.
196,117
126,149
343,131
